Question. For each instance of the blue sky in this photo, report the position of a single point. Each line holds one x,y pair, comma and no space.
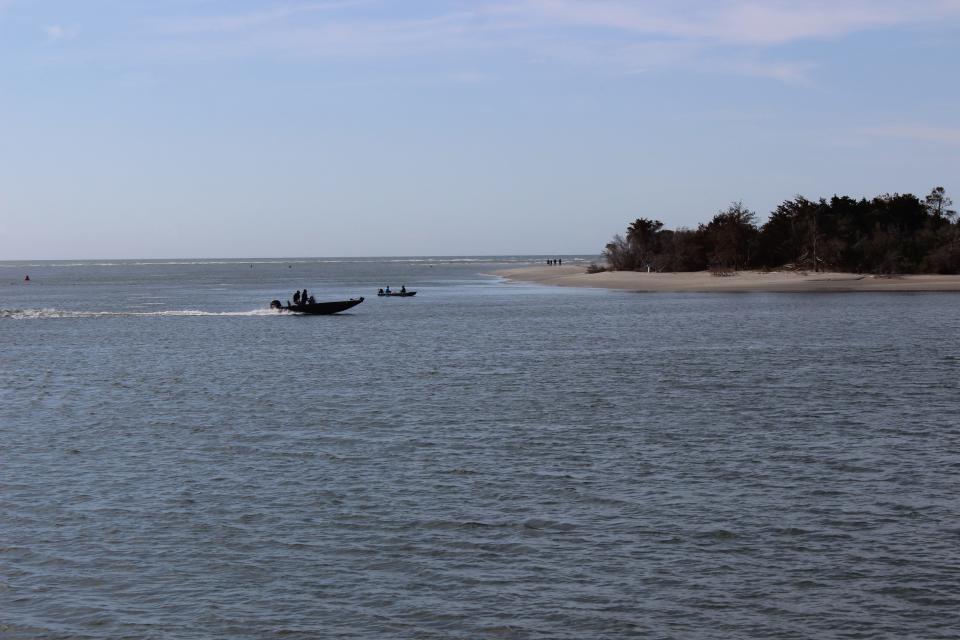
212,128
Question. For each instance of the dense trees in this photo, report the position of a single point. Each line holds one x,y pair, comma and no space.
729,240
896,233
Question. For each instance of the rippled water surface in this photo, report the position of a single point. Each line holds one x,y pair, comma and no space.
485,460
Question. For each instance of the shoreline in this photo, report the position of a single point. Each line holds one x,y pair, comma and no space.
740,282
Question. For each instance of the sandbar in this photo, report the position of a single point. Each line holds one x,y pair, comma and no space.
741,281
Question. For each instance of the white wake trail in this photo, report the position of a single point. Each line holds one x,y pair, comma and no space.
42,314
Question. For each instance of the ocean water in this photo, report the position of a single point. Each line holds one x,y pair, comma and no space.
485,460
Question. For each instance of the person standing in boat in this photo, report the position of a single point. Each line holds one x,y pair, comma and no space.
303,296
296,297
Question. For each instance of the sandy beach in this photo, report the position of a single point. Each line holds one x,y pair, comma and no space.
742,281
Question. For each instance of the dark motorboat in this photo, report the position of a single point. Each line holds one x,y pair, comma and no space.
317,308
398,294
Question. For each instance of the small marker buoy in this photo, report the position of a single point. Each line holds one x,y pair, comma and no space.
26,279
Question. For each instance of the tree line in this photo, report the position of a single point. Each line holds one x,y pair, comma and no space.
888,234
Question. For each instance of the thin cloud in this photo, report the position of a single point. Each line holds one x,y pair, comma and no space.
254,19
657,55
57,33
735,37
740,22
916,133
344,36
729,37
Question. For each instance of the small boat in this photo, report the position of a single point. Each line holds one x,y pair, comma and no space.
398,294
317,308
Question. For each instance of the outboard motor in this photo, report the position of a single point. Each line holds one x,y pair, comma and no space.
275,304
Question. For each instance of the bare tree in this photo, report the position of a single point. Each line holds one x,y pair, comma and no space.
938,204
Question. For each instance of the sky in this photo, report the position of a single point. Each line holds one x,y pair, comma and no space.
248,128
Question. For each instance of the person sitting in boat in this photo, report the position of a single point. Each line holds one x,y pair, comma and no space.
310,300
296,297
403,290
380,291
388,289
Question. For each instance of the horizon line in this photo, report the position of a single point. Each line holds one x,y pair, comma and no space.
303,258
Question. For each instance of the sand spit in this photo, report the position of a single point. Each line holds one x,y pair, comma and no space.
742,281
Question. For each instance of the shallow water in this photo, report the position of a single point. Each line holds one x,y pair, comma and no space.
483,460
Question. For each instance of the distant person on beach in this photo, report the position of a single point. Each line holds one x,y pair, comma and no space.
560,261
296,297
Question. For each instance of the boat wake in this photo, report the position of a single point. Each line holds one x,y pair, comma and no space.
42,314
